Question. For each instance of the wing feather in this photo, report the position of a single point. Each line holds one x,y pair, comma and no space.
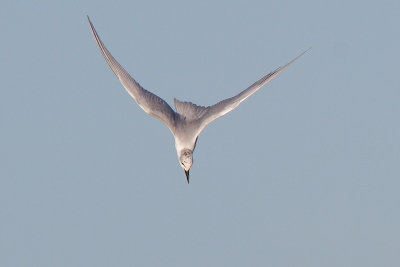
221,108
149,102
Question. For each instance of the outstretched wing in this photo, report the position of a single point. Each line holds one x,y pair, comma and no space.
221,108
148,101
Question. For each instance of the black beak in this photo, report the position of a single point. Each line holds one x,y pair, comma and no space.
187,175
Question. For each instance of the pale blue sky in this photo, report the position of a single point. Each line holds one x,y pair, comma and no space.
304,173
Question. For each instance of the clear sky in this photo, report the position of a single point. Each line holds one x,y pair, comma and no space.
304,173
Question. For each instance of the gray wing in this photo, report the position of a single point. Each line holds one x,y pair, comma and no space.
149,102
227,105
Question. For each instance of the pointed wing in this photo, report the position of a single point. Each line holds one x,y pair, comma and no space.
227,105
149,102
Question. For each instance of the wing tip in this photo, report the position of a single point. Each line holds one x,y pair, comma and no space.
305,51
90,22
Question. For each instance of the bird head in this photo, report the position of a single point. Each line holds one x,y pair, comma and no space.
186,161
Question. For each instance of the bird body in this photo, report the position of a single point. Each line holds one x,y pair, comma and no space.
188,119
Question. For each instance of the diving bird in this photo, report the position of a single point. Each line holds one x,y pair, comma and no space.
188,119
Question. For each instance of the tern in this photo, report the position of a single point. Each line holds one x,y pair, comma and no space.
187,122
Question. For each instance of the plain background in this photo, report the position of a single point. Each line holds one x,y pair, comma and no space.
304,173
